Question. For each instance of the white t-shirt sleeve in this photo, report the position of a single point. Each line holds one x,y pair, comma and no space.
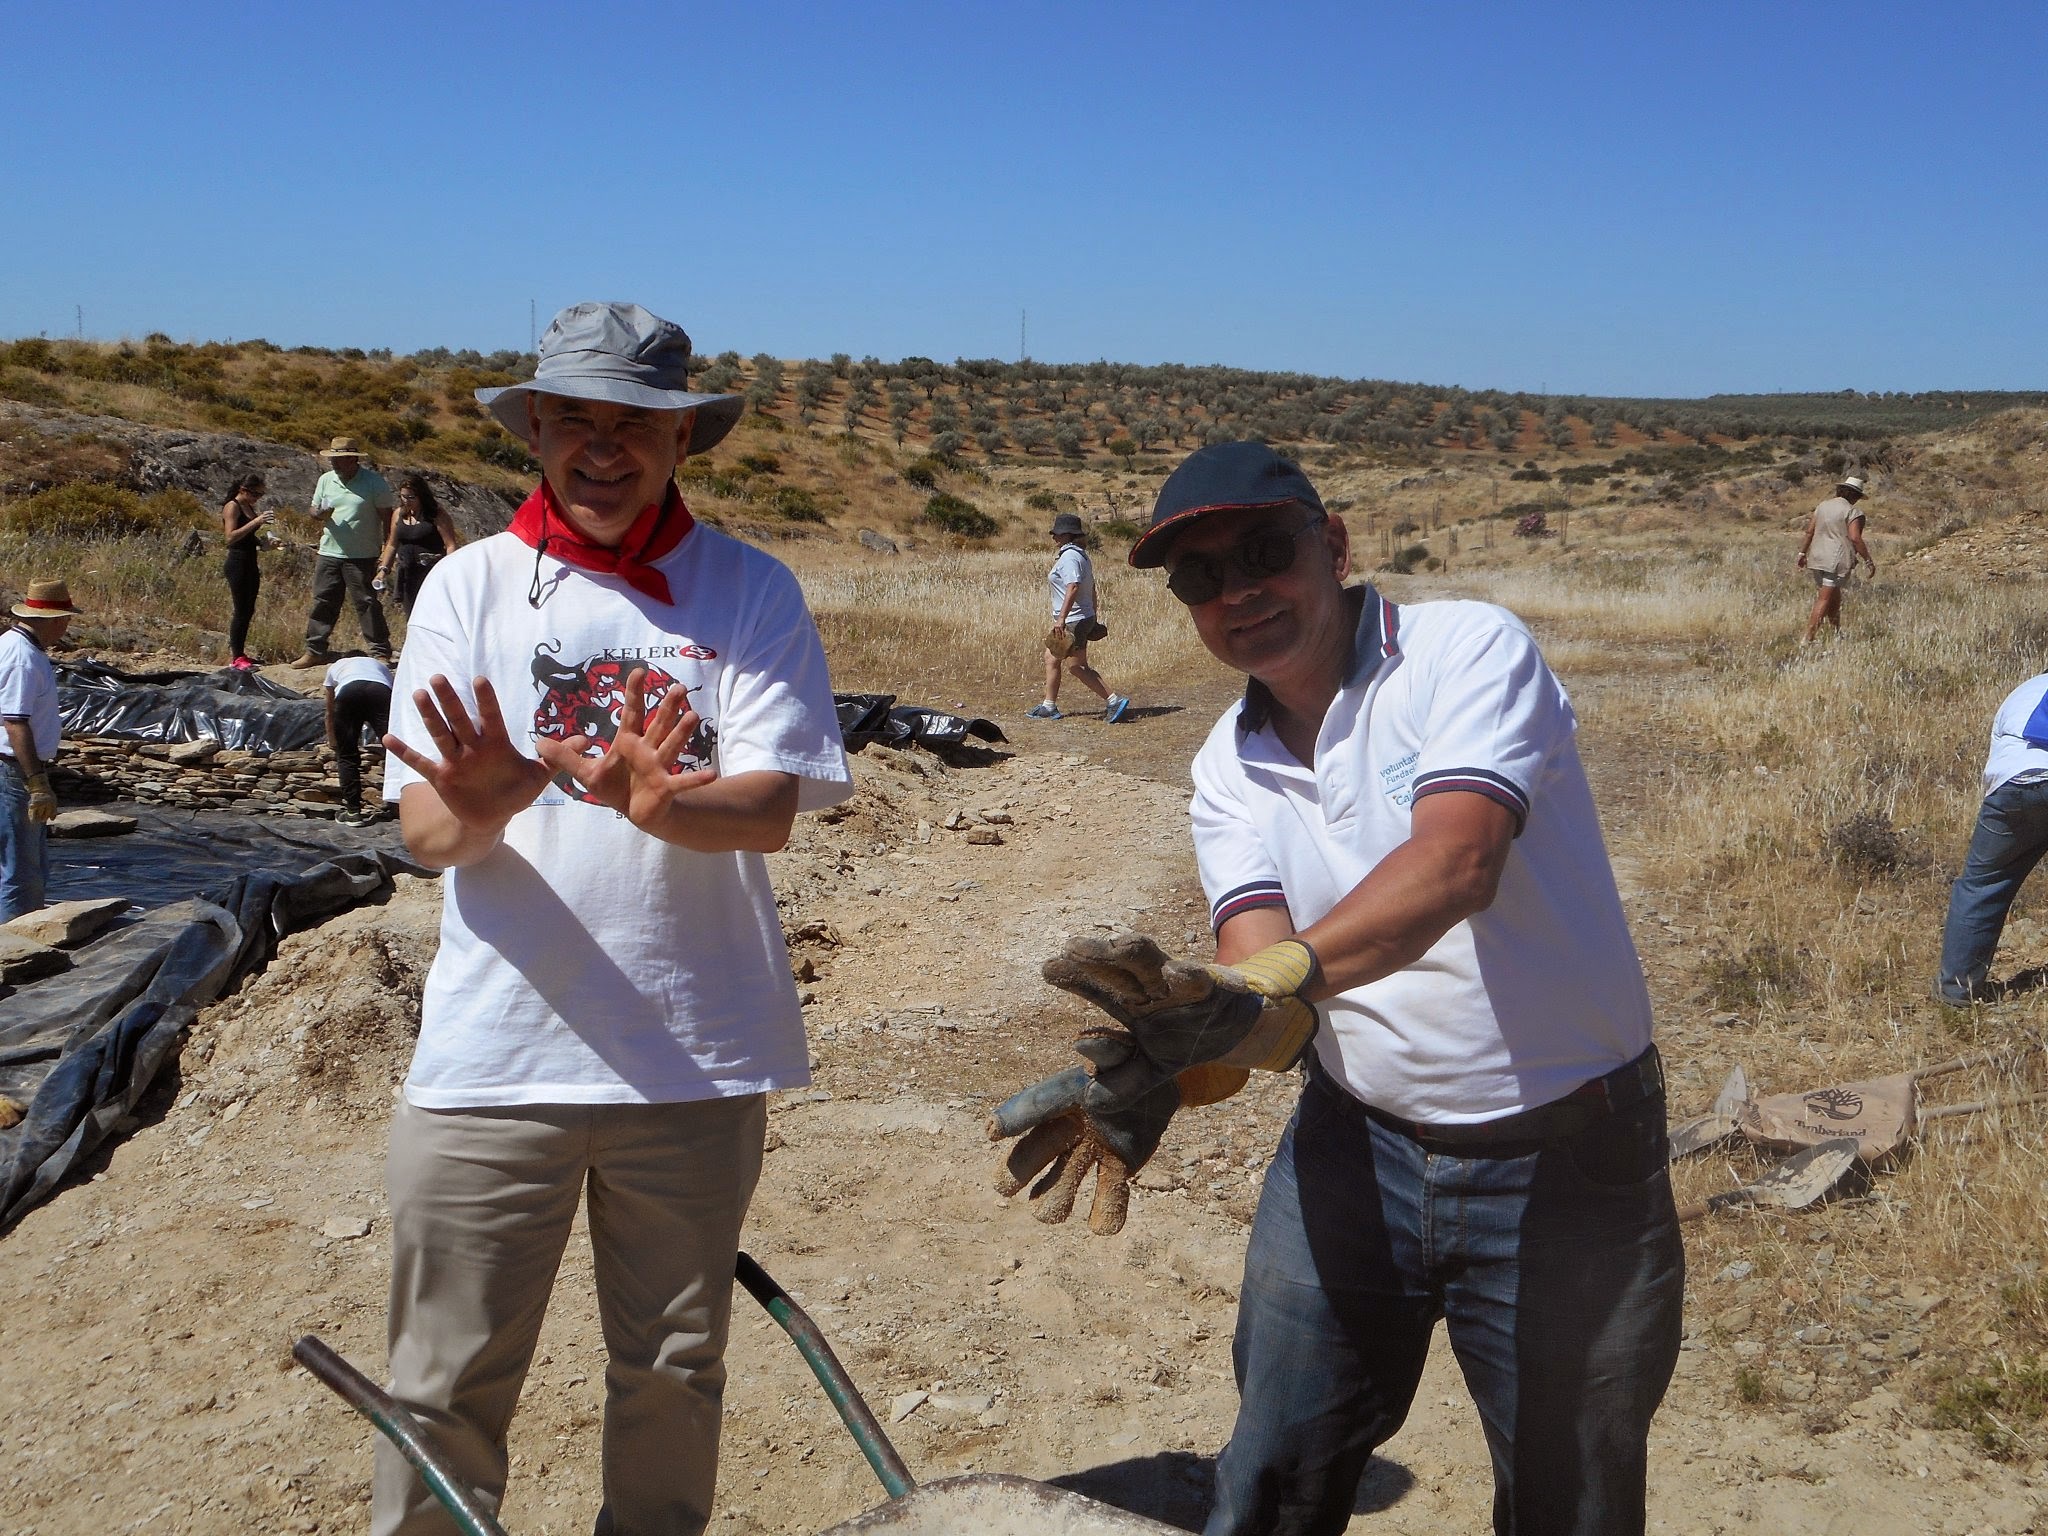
431,647
1238,874
17,683
1493,715
778,713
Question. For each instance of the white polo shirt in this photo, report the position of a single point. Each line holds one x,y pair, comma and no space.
28,691
1517,1005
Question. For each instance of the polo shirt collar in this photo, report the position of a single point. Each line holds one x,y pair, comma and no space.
1373,643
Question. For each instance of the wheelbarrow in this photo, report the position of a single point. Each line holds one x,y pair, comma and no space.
986,1503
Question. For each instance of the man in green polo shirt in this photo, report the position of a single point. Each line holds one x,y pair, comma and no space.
353,503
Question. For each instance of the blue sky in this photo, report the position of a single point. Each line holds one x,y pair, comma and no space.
1620,199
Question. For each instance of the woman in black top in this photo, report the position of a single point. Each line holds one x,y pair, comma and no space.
420,534
241,521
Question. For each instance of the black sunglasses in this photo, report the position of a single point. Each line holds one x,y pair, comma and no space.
1197,579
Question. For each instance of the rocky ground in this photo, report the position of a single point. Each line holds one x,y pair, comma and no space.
150,1307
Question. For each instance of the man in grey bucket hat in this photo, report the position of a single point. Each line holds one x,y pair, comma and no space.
619,353
603,718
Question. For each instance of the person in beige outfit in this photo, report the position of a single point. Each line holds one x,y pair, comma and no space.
1830,550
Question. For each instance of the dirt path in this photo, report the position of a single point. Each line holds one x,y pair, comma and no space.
147,1386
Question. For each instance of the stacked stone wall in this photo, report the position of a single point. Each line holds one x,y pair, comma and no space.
201,774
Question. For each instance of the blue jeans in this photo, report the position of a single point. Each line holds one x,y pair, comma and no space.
24,847
1557,1267
2011,836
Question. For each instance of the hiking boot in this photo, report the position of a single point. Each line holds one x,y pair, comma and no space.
1044,712
1117,705
359,817
312,659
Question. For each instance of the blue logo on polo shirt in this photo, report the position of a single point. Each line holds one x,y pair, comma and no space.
1397,776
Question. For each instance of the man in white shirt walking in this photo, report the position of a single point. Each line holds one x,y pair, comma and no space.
1407,883
2009,840
30,729
604,717
1074,624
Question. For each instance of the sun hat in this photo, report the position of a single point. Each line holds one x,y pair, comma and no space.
622,354
342,448
1068,526
46,600
1221,478
1850,483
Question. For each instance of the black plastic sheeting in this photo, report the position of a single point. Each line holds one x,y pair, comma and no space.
177,853
872,717
81,1048
237,708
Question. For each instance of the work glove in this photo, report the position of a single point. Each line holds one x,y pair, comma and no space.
1186,1034
42,800
1060,641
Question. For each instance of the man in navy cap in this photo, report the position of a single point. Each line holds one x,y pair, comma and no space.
1410,892
603,719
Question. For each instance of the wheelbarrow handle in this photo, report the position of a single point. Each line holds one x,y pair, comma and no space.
854,1412
403,1430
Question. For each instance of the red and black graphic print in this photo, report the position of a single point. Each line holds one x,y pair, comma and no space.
587,700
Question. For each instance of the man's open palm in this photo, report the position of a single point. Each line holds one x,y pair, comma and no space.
481,777
635,775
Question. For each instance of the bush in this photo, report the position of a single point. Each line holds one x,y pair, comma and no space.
956,514
797,504
1868,846
923,473
1532,525
87,510
1404,561
1049,501
1531,472
758,463
1125,528
506,453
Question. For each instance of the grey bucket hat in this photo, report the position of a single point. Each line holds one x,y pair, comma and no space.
619,353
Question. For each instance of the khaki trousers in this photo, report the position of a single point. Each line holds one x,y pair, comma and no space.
481,1206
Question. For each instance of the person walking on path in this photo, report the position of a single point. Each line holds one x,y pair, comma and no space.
1830,550
352,502
1408,885
1074,624
30,729
358,692
2010,837
604,717
243,524
419,536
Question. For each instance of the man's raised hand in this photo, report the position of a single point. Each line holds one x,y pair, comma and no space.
635,774
481,777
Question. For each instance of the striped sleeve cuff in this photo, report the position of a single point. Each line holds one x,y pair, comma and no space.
1476,781
1259,893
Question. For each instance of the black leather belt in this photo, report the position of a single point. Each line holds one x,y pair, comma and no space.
1623,1088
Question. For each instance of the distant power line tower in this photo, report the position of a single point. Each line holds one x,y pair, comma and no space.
1023,335
80,308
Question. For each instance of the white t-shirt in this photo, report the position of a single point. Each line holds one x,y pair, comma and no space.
2021,721
1072,568
28,691
1517,1005
357,669
583,961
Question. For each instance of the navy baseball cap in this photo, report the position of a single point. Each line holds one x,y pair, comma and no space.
1221,478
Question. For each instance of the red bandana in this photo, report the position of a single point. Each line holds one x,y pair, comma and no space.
540,524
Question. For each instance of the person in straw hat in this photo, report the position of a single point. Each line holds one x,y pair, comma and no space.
29,729
603,718
1830,550
353,503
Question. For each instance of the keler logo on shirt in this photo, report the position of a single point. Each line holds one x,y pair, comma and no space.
586,700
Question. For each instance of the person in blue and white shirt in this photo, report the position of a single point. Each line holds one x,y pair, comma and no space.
1393,827
2011,836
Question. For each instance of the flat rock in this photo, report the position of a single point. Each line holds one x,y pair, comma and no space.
880,543
987,837
345,1228
189,753
67,922
24,959
89,822
905,1404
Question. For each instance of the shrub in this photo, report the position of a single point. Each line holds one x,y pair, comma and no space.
1048,501
1122,447
1531,472
506,453
922,473
1868,846
1746,981
1125,528
1532,525
1404,561
86,510
797,504
758,463
955,514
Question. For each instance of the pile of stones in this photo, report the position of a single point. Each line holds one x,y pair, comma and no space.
203,774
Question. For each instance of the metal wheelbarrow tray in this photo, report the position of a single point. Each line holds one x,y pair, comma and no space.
981,1504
